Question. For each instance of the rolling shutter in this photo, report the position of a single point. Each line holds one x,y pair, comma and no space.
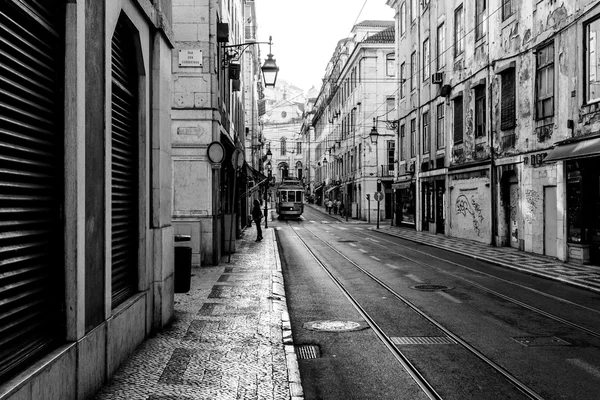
31,181
124,164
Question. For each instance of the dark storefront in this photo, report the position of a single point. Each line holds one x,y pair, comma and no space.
405,203
583,203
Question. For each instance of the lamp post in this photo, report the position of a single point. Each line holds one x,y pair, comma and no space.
269,169
269,68
374,135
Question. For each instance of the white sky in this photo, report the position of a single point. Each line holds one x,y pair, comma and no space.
306,32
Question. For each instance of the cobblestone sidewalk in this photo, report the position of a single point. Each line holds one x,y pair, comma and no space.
230,338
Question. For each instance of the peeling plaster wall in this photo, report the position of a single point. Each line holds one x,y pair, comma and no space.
470,213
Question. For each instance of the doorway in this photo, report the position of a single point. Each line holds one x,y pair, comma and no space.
550,223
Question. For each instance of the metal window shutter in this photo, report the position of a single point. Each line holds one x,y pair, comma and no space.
31,183
124,164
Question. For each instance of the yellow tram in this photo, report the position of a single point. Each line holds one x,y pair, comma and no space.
289,199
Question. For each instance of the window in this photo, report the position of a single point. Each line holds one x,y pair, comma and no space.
413,71
479,18
508,106
441,137
441,47
402,19
507,9
425,124
592,78
298,147
390,106
402,80
413,10
458,120
283,150
480,111
426,56
402,142
413,137
391,153
545,82
459,31
390,65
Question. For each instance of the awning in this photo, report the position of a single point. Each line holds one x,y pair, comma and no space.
319,187
332,188
582,148
401,185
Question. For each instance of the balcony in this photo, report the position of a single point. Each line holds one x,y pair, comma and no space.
386,170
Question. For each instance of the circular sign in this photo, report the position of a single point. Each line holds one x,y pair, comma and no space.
378,180
216,152
237,159
378,196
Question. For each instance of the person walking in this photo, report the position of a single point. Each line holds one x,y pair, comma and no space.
256,216
329,206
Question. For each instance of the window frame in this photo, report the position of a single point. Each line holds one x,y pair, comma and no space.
403,80
459,31
458,123
402,19
480,112
440,128
413,71
426,60
441,46
413,137
508,119
426,147
479,18
506,15
390,64
587,68
541,72
401,142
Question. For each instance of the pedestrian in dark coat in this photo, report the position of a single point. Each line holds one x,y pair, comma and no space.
256,216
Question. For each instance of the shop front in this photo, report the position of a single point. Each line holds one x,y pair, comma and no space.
405,196
581,158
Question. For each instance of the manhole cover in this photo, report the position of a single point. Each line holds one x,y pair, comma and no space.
531,341
335,326
430,288
307,351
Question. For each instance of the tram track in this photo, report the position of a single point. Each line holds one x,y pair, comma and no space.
415,374
483,288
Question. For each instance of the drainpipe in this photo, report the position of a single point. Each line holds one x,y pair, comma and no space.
493,193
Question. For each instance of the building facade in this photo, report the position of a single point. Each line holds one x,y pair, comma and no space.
87,243
357,96
497,137
214,102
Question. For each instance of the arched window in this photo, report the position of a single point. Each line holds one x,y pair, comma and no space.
282,147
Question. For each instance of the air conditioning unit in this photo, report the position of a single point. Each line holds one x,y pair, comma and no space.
437,78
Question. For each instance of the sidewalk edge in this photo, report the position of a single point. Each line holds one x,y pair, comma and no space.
295,385
496,262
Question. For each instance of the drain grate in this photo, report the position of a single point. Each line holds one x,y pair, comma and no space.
422,340
430,288
532,341
307,351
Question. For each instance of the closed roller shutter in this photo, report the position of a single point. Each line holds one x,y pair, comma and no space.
31,183
124,164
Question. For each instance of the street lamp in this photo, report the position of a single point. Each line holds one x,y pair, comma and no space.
374,135
269,68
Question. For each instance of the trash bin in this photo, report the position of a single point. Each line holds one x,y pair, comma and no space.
183,263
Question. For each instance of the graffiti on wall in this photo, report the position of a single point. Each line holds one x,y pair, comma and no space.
532,198
473,208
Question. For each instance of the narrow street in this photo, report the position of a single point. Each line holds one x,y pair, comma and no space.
469,329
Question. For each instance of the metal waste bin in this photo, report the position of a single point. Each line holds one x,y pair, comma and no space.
183,263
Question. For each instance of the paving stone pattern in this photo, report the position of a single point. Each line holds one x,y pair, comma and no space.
230,338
